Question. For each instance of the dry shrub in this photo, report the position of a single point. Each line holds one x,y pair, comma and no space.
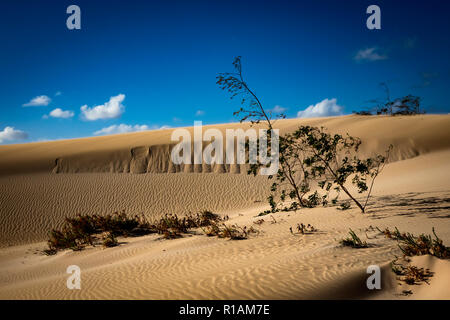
411,274
109,240
84,229
423,244
233,232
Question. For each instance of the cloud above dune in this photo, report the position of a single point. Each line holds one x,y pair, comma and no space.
325,108
38,102
11,134
109,110
369,54
121,128
124,128
277,109
63,114
200,113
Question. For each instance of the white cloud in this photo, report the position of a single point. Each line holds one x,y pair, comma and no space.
38,101
124,128
121,128
200,113
277,109
109,110
59,113
369,54
325,108
11,134
58,93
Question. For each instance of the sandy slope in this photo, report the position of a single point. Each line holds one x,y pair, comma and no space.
413,193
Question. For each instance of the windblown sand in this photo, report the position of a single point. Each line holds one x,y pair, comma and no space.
41,183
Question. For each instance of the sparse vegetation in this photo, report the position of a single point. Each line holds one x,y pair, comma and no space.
109,240
353,241
407,105
411,245
82,230
304,229
344,205
259,221
234,232
86,230
411,274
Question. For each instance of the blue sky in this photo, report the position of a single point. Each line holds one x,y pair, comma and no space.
150,64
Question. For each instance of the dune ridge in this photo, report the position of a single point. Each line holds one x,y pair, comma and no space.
149,152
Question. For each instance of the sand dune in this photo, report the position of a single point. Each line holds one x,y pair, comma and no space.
41,183
148,151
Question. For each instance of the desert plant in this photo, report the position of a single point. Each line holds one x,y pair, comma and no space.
253,110
207,217
344,206
353,241
411,245
332,159
411,274
82,230
234,83
362,113
305,229
307,154
396,268
406,105
234,232
171,234
109,240
259,221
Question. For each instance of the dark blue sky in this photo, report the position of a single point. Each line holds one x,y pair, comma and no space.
163,56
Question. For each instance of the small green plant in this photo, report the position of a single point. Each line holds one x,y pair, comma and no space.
353,241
